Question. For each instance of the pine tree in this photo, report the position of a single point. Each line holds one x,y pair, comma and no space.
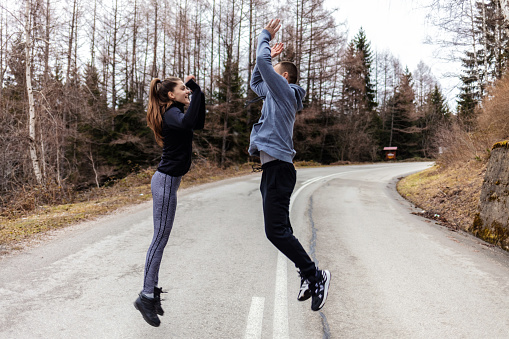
363,49
488,63
403,121
436,117
437,106
358,88
471,90
359,121
354,86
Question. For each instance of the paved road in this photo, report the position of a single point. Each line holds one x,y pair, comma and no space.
395,275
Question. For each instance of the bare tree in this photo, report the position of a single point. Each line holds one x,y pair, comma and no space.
156,24
113,60
424,81
3,31
72,34
31,103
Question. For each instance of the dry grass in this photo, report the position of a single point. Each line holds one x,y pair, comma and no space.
133,189
451,192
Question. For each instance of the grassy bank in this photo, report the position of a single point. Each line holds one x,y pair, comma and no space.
449,194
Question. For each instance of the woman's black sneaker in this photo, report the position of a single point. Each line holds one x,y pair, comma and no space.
320,289
157,299
146,306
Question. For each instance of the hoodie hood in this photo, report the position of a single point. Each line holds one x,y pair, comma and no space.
299,95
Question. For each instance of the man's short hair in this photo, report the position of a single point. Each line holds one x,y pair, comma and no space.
291,69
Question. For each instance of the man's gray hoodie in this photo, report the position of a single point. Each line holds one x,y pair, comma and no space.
273,133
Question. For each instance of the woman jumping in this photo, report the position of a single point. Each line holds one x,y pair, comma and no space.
173,130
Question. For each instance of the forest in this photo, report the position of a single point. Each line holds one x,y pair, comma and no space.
74,81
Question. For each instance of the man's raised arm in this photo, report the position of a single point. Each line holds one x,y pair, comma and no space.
275,83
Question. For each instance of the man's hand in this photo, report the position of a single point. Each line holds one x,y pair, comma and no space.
276,50
273,26
189,77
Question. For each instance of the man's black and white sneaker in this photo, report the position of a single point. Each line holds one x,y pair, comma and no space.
157,300
146,306
320,289
305,291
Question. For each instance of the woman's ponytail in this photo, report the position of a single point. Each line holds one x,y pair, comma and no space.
157,99
154,118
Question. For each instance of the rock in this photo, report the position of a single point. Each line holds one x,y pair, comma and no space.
492,222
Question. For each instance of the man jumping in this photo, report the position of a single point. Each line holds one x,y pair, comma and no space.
272,140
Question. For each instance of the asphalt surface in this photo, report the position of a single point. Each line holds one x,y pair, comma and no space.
394,274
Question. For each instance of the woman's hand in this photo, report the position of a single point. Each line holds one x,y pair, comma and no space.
276,50
189,77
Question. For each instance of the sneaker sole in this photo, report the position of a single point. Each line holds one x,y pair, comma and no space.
325,290
145,318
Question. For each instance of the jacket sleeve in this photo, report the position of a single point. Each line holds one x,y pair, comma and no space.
200,122
275,83
176,119
257,84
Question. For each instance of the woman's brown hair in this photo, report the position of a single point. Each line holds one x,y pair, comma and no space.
158,101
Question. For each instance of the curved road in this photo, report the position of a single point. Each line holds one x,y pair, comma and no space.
394,274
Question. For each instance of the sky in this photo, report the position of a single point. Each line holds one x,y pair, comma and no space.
399,26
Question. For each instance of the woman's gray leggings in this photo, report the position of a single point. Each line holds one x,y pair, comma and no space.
164,195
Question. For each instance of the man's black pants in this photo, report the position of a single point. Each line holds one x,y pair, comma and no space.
278,182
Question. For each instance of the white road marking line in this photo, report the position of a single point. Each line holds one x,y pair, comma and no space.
313,180
255,319
280,325
280,328
304,185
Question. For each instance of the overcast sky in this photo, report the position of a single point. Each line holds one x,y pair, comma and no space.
400,27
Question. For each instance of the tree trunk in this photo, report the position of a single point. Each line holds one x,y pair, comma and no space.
499,37
485,40
2,70
219,42
46,43
212,48
504,4
133,56
154,61
146,59
310,57
113,66
91,158
31,102
92,48
250,94
474,46
392,126
178,42
71,37
240,31
186,45
165,15
43,152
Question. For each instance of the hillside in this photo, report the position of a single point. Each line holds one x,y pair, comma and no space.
447,194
